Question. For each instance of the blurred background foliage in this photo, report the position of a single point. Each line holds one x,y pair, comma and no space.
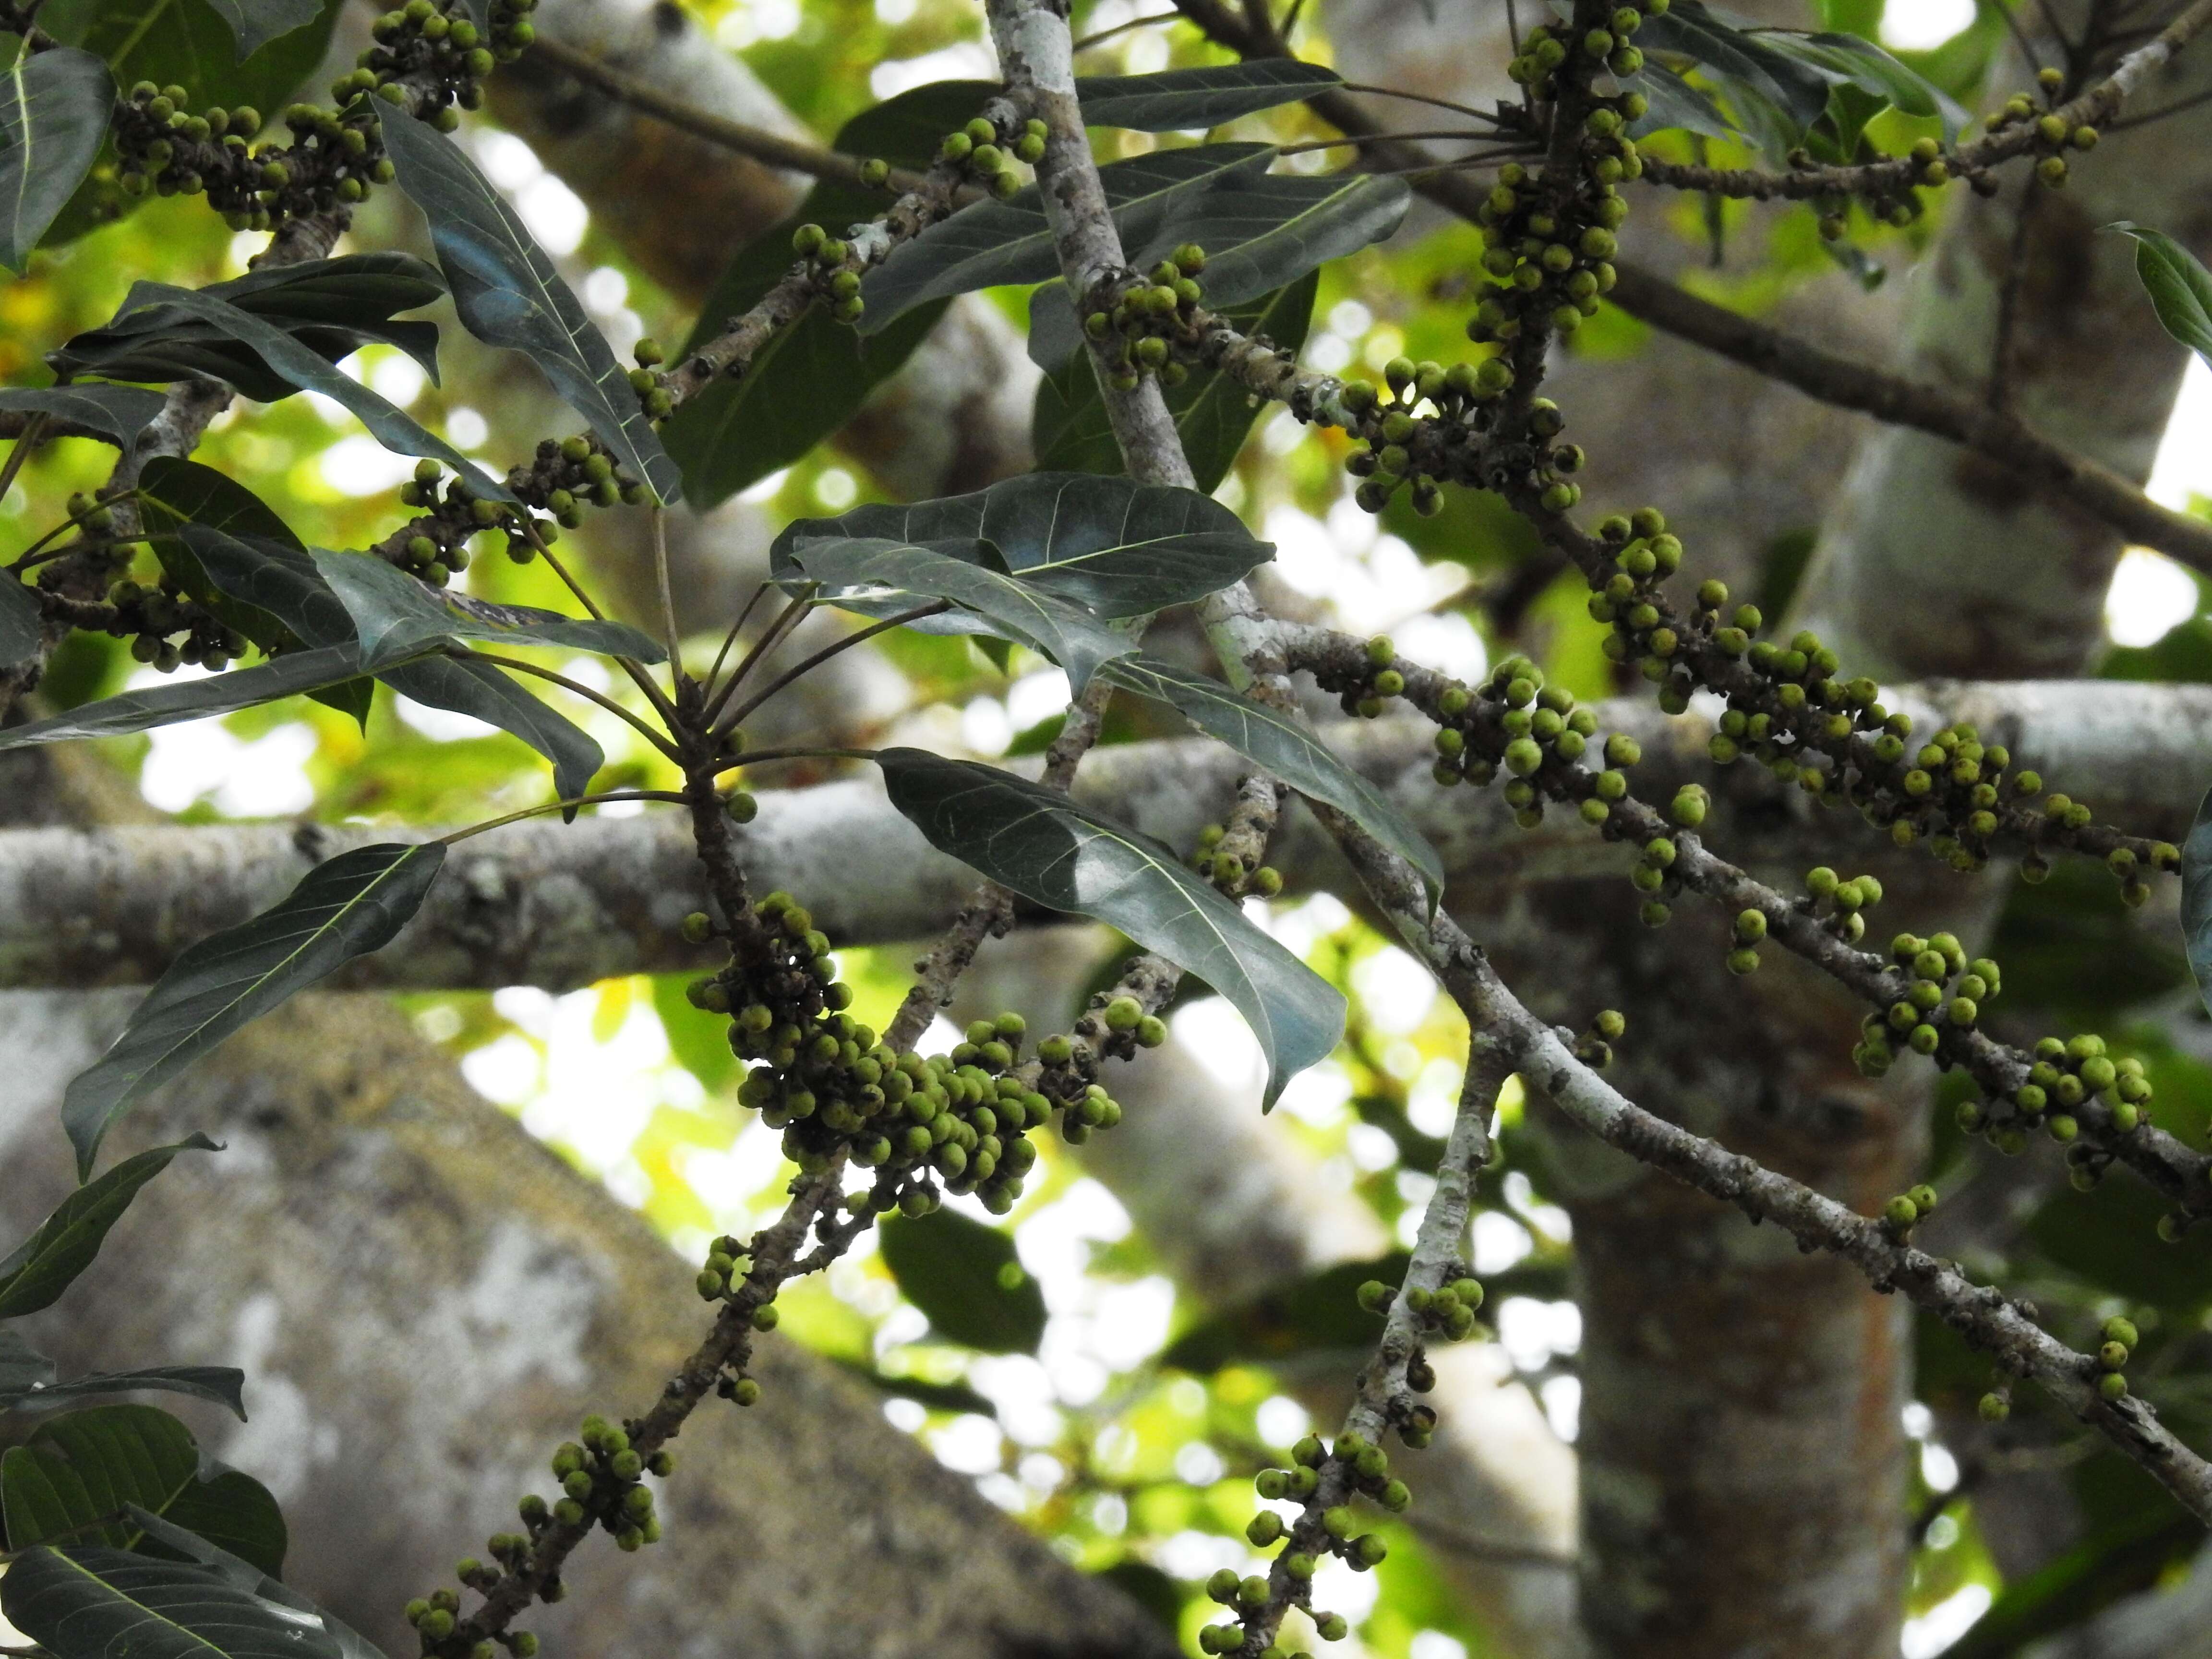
1069,1380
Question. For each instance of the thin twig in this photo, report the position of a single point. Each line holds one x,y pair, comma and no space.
1090,41
630,666
934,608
785,620
568,805
1467,109
27,441
667,599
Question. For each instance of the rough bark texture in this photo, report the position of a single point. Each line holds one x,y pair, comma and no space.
425,1302
562,905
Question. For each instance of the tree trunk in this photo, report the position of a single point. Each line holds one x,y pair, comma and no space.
426,1302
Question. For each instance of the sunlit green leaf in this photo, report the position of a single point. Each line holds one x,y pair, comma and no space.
1057,853
2180,288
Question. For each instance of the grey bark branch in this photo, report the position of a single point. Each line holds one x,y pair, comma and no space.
563,905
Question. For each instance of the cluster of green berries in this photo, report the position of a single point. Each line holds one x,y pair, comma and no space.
1627,596
1227,872
1546,49
1552,260
162,147
1447,1311
985,155
958,1120
1352,1465
1595,1047
651,396
1943,992
1137,325
2054,135
2120,1337
1513,720
435,52
722,1276
2063,1075
602,1483
835,271
165,628
1653,874
1427,430
567,475
1895,205
1906,1211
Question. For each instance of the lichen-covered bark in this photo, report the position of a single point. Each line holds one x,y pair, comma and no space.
562,905
426,1302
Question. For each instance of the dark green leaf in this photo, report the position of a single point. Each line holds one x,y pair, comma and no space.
992,243
42,1266
1730,48
966,1277
161,1533
279,579
2196,898
508,295
220,1384
1181,99
175,493
1287,748
116,412
22,625
1056,852
1320,1315
102,1603
333,306
187,42
1847,60
1213,413
1115,548
344,909
22,1368
257,22
135,348
396,617
811,377
54,107
468,685
190,700
890,576
83,1466
1674,103
2180,288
